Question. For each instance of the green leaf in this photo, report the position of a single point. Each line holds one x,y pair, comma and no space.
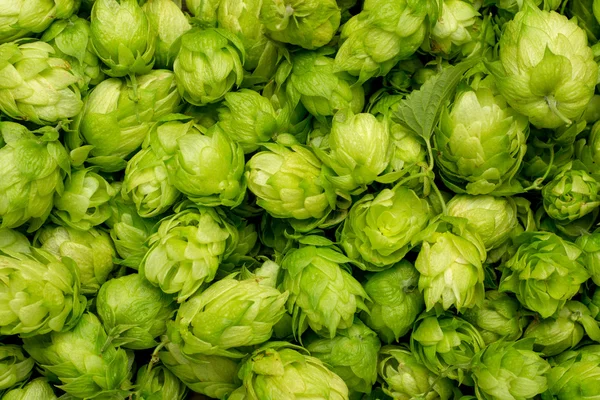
420,110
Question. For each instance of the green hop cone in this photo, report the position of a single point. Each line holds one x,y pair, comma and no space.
32,166
382,34
207,167
243,19
450,264
379,228
590,244
564,330
122,37
71,41
574,378
323,293
92,251
359,150
405,378
282,371
20,18
458,31
213,376
307,23
321,90
146,180
15,366
116,118
158,383
85,363
187,249
480,144
169,22
394,301
544,272
554,83
498,317
510,370
36,389
209,64
289,182
204,11
45,93
493,218
40,294
84,202
409,154
351,354
13,241
571,195
446,345
248,118
228,315
129,231
133,311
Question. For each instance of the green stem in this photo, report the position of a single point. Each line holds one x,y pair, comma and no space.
430,154
136,98
553,105
536,184
154,359
409,178
440,197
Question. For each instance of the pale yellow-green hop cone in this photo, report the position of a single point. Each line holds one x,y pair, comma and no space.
84,201
187,249
230,315
359,151
71,41
209,64
307,23
213,376
116,119
282,371
36,389
14,241
379,229
169,22
498,317
571,195
510,370
129,231
351,354
248,118
39,294
15,366
450,262
289,182
554,83
323,294
159,384
122,37
45,92
86,364
394,301
32,166
20,18
314,81
446,345
93,252
544,272
480,144
404,377
564,330
134,312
